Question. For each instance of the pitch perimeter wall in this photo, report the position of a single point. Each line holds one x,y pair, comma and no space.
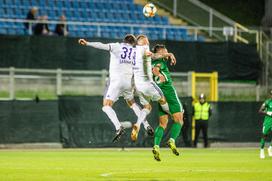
78,122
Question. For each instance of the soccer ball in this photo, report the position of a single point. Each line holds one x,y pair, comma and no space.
149,10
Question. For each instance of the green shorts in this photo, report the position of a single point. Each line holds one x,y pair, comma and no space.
171,96
267,125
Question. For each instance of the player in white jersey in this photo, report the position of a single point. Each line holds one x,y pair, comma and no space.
145,86
120,79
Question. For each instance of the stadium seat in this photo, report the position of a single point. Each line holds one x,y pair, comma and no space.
105,11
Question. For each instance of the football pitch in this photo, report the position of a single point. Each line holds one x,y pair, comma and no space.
134,164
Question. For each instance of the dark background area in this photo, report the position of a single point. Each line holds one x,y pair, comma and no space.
78,121
232,61
246,12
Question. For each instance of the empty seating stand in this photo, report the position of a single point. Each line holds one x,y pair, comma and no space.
120,13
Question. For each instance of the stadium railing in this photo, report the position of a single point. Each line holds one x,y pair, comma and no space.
19,83
149,29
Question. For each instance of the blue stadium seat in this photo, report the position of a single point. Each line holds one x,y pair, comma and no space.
108,11
20,31
11,31
72,33
3,31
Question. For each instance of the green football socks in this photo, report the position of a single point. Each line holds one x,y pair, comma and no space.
175,130
158,135
262,143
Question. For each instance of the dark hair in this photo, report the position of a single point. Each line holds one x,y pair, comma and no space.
157,47
130,39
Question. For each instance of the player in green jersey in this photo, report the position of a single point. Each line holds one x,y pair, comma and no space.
266,109
162,77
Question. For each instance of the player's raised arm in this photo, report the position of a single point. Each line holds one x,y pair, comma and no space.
156,72
97,45
165,56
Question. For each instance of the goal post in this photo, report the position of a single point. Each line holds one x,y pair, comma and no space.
202,83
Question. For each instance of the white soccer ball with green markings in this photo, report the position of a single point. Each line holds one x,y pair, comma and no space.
149,10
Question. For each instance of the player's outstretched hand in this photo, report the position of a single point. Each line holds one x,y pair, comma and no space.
162,78
82,42
148,53
173,59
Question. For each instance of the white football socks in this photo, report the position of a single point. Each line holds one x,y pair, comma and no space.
262,156
137,110
142,117
112,116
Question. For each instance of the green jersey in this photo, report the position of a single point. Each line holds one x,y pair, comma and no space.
167,88
267,124
162,64
268,106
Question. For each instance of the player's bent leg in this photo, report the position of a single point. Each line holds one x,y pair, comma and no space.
137,110
107,108
136,127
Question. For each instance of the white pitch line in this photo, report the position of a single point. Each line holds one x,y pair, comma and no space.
105,174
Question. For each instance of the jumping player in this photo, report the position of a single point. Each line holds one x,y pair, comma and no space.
120,79
163,79
145,86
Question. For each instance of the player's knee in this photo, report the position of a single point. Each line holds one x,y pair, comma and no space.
148,106
163,125
164,121
130,102
162,100
107,103
178,117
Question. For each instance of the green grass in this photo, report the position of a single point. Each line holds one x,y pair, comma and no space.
133,164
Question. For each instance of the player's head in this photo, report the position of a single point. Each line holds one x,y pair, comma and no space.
202,98
130,39
142,40
270,93
159,48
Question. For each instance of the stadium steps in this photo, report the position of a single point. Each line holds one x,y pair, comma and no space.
173,20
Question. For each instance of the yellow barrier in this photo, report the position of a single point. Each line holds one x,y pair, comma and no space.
213,81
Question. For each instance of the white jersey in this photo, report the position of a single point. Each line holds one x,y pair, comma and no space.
142,70
120,69
142,67
121,56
